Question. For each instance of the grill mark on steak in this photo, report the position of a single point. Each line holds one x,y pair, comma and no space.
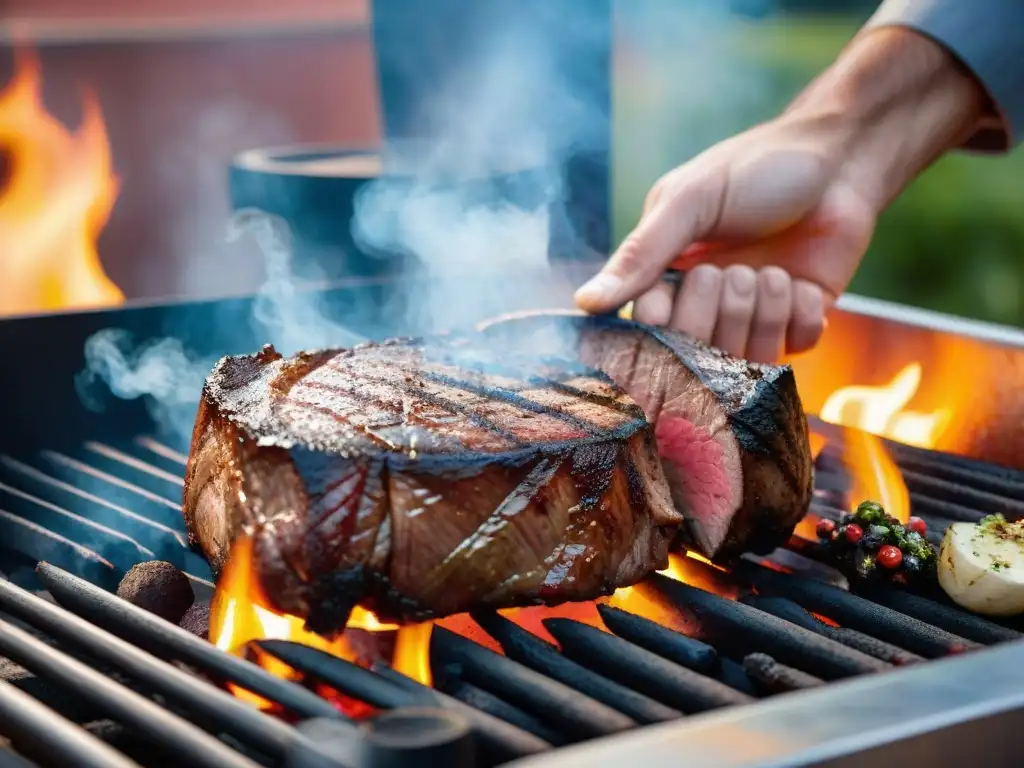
733,435
340,418
498,393
439,519
607,402
452,407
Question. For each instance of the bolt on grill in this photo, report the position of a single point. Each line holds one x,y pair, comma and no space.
130,688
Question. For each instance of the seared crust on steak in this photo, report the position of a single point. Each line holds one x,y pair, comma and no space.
732,434
424,481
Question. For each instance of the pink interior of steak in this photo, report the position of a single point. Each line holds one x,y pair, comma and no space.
699,452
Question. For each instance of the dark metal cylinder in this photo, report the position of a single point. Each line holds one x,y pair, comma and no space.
426,738
400,738
328,744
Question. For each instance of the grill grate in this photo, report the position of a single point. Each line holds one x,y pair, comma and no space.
92,513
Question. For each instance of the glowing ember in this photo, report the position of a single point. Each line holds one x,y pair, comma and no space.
57,196
882,410
241,614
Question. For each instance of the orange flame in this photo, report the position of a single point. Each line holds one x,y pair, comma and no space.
57,196
881,411
240,614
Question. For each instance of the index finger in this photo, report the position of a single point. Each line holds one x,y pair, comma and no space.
670,226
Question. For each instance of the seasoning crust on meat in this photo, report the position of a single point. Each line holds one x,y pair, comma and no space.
732,434
425,479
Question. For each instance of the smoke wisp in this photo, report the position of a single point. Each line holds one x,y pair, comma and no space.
169,376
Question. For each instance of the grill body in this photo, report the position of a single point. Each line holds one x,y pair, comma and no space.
93,490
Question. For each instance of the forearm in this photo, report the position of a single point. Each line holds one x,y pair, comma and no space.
891,104
988,37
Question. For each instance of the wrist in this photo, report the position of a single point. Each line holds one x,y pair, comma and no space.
890,105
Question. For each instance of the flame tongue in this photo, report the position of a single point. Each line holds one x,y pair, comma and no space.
881,411
55,200
240,614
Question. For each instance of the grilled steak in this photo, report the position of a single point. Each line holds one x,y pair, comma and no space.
420,481
732,435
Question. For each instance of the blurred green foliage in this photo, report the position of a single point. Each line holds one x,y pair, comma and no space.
953,242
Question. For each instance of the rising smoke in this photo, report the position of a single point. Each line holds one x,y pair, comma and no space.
510,112
170,377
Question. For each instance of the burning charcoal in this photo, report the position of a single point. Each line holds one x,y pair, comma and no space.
667,643
388,689
197,620
526,648
159,587
640,669
775,677
744,629
858,613
851,638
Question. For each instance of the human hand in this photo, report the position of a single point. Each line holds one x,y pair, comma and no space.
787,230
771,225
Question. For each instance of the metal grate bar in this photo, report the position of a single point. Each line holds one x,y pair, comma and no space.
157,636
220,712
174,733
45,735
389,689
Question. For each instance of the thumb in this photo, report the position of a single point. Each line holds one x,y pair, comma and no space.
673,223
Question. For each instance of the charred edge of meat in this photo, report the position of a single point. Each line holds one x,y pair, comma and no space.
236,371
760,402
332,598
772,446
290,557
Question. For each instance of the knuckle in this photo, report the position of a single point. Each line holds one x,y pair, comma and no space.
775,281
629,257
741,278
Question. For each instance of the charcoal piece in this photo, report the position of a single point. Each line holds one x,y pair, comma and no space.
528,649
742,629
159,587
851,638
383,687
950,618
667,643
640,669
578,716
778,678
487,702
983,502
197,620
855,612
735,676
